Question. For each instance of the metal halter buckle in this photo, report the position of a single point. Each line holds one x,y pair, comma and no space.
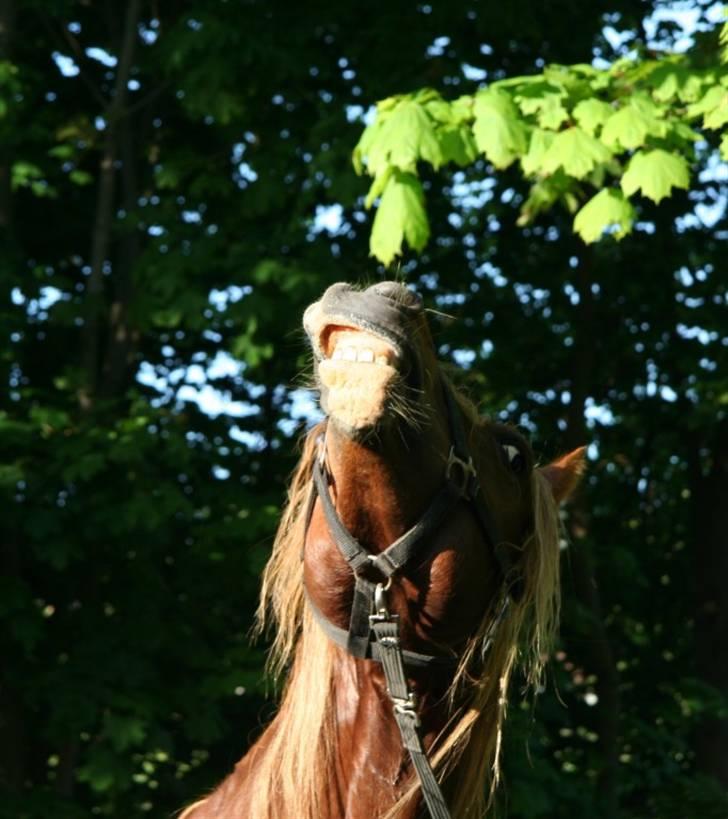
407,708
467,485
380,604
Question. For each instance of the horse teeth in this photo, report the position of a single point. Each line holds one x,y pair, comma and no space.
338,354
349,354
366,355
382,359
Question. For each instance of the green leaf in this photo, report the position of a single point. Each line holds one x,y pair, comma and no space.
401,215
378,185
80,177
655,174
405,136
692,88
666,80
629,127
545,100
576,152
540,143
457,144
23,173
440,111
124,731
499,132
608,209
10,475
64,151
462,109
718,117
544,194
591,114
712,99
361,149
552,113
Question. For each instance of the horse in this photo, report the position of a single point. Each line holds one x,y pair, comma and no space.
415,567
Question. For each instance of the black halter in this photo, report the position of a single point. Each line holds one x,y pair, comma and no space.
373,632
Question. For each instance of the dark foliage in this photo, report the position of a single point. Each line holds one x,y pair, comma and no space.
161,172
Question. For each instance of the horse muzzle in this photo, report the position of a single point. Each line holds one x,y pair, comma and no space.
361,340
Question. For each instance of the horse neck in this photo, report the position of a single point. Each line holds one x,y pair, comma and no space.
382,487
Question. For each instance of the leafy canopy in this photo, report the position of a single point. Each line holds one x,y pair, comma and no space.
587,138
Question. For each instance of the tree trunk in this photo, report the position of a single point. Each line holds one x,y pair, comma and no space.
709,493
7,21
101,237
122,337
14,745
13,748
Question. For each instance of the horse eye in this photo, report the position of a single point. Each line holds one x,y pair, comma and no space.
516,461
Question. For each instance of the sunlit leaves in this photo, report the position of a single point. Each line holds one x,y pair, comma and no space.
457,144
499,132
400,139
401,216
575,152
629,127
532,162
635,123
608,209
713,106
545,100
591,114
655,174
408,136
28,175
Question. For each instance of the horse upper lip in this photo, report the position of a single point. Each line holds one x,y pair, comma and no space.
382,311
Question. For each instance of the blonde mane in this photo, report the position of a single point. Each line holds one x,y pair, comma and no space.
293,769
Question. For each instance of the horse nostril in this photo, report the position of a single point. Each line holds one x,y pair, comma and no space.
398,293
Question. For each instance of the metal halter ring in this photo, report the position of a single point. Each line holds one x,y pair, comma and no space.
407,708
380,600
467,483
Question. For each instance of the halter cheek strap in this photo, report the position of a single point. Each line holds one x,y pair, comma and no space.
373,631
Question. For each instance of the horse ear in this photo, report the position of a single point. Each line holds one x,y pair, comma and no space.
565,473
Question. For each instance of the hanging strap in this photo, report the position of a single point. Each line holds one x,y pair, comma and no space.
404,702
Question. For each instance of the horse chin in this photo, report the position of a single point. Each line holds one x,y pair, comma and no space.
356,396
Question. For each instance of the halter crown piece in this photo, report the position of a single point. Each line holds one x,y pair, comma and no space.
373,631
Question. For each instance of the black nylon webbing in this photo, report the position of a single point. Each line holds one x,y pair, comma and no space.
371,651
354,553
386,629
359,635
399,553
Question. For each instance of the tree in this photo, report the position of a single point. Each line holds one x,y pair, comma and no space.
160,175
623,130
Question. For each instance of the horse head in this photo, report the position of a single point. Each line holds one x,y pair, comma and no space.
386,446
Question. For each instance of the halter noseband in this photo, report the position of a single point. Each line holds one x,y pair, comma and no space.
373,631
